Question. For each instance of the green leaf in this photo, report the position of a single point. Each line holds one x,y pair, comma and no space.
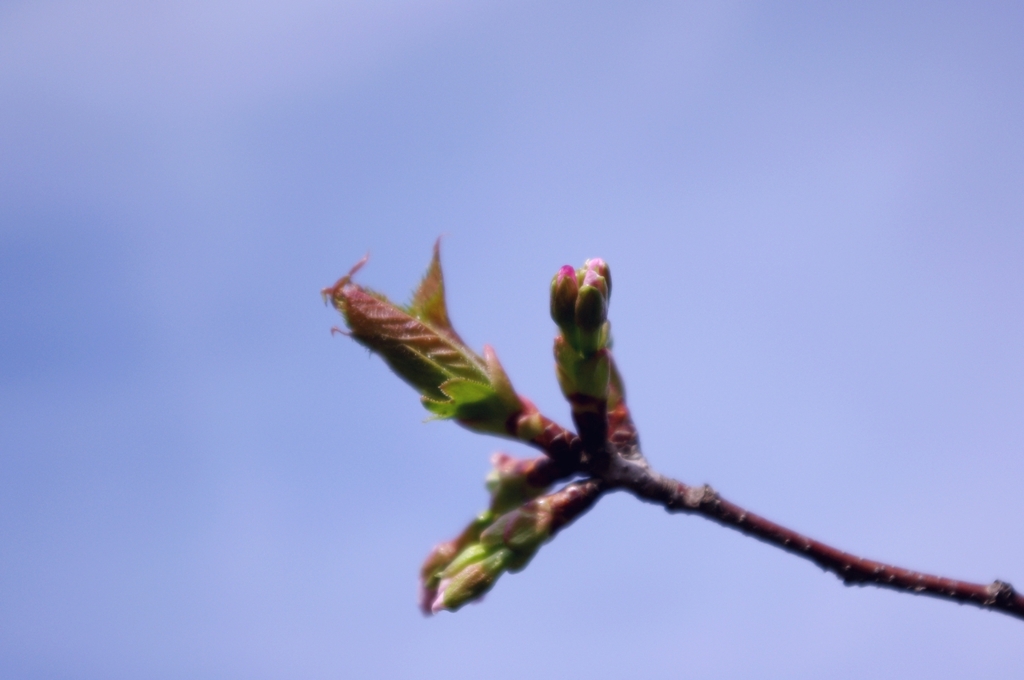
477,406
442,410
466,391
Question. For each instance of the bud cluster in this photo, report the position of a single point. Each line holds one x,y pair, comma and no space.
463,569
508,544
513,481
419,343
579,305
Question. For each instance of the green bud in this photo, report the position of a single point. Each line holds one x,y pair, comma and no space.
564,290
471,554
591,312
438,560
430,573
508,483
591,309
506,544
444,554
579,304
521,530
471,581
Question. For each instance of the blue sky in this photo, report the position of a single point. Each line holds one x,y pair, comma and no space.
815,218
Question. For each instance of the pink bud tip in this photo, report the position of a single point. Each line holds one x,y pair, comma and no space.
427,598
502,462
438,603
600,267
591,278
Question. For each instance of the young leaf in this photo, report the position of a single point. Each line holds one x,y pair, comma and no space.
420,345
466,391
428,302
414,350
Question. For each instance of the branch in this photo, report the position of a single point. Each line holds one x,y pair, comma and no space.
674,496
419,343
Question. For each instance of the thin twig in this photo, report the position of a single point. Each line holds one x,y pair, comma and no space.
675,496
623,466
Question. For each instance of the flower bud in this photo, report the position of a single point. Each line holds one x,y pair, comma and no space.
439,559
564,289
521,530
591,309
509,483
592,278
591,315
600,268
506,544
474,553
444,555
430,573
471,580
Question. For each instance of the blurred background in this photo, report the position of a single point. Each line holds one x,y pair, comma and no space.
815,219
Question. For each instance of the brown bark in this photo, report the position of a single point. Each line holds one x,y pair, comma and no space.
637,478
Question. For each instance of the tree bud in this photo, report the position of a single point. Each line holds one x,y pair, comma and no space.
509,484
521,530
591,309
564,289
471,580
600,268
592,278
